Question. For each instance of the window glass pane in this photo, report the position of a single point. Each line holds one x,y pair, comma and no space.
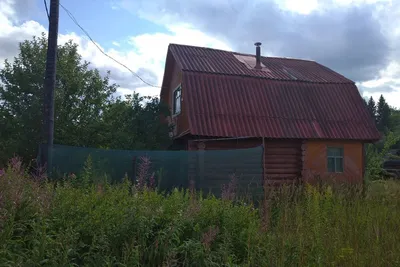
177,100
178,105
335,152
331,164
339,164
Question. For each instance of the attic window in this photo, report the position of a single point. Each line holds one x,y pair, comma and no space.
335,159
177,97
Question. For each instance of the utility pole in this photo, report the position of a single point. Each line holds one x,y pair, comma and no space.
49,86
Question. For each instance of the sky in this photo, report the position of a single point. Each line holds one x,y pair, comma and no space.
360,39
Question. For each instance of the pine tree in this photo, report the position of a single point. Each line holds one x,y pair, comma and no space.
371,107
383,115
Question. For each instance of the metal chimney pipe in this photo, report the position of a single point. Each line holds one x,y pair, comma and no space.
258,55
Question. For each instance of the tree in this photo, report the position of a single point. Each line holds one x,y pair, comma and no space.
383,115
138,119
375,156
371,107
80,97
394,121
86,112
394,124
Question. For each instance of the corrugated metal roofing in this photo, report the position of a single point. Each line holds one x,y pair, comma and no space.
224,98
200,59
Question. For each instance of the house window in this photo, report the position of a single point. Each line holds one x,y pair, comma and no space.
335,159
177,100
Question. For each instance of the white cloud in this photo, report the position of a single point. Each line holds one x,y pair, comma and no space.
388,84
114,5
358,38
302,7
151,49
145,53
12,33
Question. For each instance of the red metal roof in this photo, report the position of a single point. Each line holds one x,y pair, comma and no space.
225,98
200,59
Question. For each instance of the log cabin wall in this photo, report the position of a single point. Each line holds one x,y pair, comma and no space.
282,161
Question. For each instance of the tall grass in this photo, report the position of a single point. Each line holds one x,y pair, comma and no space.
78,223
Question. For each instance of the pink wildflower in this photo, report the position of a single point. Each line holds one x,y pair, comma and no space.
228,191
152,181
144,167
209,236
16,164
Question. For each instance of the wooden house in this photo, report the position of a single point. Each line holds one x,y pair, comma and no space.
309,119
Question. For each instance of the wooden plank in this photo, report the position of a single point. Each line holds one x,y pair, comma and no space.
283,151
274,176
283,144
295,165
282,160
283,171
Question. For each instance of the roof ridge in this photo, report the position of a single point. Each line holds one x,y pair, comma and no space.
274,57
243,54
202,47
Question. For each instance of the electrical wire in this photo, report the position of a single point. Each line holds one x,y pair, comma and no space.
47,9
71,16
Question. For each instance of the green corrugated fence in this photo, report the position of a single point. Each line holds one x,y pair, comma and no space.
209,169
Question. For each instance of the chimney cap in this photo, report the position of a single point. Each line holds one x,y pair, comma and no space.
257,44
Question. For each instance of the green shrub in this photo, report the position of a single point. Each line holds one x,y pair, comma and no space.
375,157
121,225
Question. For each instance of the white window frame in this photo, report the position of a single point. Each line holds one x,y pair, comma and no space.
178,88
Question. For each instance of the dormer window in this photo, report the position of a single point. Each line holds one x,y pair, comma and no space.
177,97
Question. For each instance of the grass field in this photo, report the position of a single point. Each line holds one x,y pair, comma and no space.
77,223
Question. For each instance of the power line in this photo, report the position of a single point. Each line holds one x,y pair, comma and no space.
47,9
99,48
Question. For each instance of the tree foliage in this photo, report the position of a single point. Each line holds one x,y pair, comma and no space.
382,115
394,120
375,157
371,107
86,113
139,121
387,118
